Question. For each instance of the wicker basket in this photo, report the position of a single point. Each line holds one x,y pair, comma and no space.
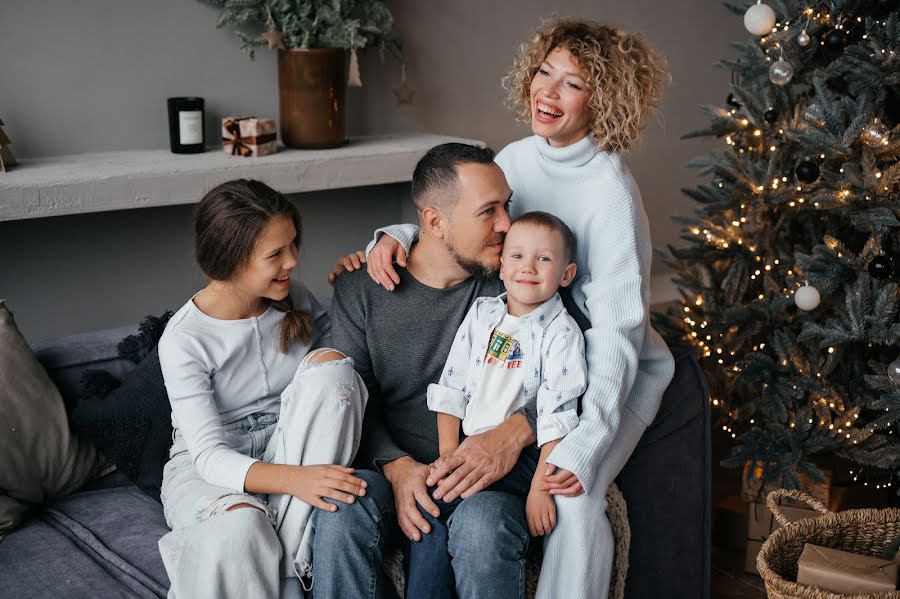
866,532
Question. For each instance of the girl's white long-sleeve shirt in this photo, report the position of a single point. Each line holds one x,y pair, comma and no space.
220,371
629,364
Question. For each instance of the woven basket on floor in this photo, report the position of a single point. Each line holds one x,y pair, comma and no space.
866,532
616,512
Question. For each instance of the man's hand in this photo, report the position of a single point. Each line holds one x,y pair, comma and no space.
381,262
480,460
350,262
407,477
561,482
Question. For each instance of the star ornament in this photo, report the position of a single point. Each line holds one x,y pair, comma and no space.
404,94
274,38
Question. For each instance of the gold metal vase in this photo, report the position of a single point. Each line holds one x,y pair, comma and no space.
312,94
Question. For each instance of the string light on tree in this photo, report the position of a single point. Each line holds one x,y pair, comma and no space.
759,18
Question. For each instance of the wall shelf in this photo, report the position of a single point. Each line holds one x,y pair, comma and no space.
83,183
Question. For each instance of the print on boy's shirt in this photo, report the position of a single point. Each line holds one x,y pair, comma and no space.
504,351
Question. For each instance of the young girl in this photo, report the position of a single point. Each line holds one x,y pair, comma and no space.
586,89
251,406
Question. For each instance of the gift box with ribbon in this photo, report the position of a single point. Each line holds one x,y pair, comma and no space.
248,136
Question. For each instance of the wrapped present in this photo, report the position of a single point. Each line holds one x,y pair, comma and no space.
753,489
844,572
761,523
248,136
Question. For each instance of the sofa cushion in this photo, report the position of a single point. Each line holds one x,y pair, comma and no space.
93,544
40,456
132,425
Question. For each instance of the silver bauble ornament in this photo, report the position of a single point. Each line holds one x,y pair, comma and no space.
803,38
807,298
875,134
781,72
893,372
759,19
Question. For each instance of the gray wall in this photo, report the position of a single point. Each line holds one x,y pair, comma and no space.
93,76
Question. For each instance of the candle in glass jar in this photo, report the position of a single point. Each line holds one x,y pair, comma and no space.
186,125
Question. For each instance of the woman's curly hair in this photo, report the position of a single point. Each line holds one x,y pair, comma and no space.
624,75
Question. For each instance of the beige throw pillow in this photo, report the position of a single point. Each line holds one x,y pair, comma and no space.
40,458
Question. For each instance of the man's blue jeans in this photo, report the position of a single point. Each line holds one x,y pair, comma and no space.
487,538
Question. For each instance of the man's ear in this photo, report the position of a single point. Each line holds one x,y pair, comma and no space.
568,275
433,222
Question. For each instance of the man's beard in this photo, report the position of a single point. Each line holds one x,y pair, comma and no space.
473,266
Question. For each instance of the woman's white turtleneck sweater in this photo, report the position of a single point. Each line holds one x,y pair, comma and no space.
629,365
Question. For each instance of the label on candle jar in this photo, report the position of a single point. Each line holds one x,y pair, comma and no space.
190,127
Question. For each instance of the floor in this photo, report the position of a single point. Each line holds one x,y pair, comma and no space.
728,579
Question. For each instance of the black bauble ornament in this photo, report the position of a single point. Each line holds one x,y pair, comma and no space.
770,116
732,101
836,39
807,171
881,267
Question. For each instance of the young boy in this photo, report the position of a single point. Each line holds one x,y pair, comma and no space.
513,349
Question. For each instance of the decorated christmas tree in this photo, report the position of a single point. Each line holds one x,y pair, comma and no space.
788,271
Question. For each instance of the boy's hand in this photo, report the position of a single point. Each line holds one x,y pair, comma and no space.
561,482
540,512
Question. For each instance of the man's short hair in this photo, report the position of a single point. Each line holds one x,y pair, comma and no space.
435,180
548,221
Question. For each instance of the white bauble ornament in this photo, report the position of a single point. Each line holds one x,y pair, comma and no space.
807,298
875,134
894,372
803,38
781,72
759,19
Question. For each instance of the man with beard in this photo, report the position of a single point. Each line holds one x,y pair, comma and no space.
399,342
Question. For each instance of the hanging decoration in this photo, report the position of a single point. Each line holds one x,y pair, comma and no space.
893,372
759,18
781,72
807,298
404,93
881,267
807,171
875,134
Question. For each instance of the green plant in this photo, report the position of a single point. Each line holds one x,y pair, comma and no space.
349,24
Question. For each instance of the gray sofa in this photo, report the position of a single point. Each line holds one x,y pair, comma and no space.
102,541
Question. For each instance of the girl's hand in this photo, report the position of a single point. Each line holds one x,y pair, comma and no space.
311,484
562,482
540,512
350,262
381,262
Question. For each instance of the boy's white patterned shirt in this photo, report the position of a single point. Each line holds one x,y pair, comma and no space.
554,366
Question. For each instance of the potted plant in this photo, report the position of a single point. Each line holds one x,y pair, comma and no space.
312,38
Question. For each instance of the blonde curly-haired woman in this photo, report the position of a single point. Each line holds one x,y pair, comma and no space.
586,89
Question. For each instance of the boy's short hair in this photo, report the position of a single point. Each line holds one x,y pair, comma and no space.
548,221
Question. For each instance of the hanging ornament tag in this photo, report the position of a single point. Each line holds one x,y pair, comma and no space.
404,93
353,78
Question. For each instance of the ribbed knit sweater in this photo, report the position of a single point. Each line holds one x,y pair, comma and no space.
629,365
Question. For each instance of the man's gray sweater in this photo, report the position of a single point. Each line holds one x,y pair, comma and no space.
399,342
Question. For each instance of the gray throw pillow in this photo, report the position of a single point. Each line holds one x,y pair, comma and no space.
40,458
